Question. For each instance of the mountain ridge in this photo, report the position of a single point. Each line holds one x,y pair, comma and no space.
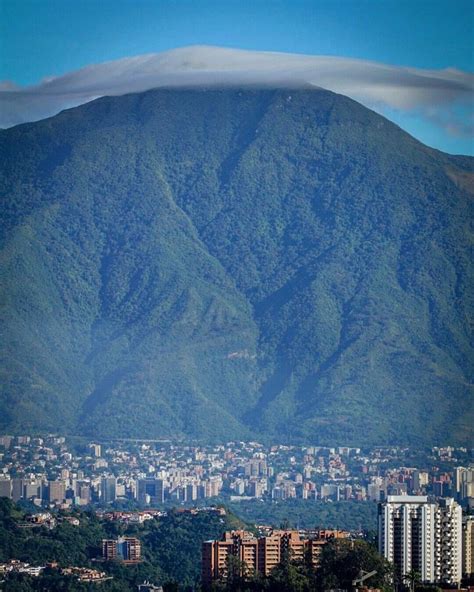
231,262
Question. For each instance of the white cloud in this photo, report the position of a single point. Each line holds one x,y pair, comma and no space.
439,95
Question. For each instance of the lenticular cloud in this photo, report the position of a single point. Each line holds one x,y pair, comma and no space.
427,92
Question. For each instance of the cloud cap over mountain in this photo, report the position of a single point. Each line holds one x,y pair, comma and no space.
442,96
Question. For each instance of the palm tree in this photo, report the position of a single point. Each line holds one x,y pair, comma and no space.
412,578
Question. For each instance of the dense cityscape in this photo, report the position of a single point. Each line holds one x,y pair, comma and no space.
49,471
424,500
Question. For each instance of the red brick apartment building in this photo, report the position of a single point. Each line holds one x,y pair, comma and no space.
261,554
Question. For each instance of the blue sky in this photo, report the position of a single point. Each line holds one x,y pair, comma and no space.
51,37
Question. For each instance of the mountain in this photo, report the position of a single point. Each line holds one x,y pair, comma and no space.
231,263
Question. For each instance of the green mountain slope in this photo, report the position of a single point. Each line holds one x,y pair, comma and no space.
221,263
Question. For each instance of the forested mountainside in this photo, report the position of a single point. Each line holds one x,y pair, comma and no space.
225,263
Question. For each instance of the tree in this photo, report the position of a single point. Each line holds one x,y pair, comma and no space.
341,562
236,573
412,578
289,575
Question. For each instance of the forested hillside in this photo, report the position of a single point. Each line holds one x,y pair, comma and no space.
216,264
171,548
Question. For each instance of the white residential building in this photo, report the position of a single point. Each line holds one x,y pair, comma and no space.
425,537
448,538
468,545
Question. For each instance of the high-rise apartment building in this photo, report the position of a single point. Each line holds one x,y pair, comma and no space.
17,489
108,489
448,537
468,546
5,488
151,491
239,544
109,549
463,483
191,492
418,535
56,491
32,489
259,554
256,468
125,549
95,450
83,493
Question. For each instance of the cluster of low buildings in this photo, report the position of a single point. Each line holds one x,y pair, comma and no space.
17,566
49,472
46,520
83,574
139,517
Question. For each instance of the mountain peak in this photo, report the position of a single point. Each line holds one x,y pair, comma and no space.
221,263
376,85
